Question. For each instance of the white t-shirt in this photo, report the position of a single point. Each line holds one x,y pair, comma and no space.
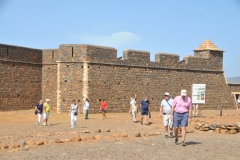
133,102
86,105
238,101
74,108
166,107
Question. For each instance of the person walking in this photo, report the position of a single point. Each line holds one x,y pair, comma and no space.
86,108
73,113
103,107
238,101
165,111
145,109
133,108
46,109
181,114
39,108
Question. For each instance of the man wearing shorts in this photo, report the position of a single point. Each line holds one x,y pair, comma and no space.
103,107
144,106
46,109
165,111
181,114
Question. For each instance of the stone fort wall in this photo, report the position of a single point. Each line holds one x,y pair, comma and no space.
20,77
94,72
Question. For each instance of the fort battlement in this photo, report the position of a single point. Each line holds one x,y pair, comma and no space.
79,71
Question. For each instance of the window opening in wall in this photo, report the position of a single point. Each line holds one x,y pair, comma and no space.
112,67
79,100
99,100
105,82
7,51
52,54
81,66
119,99
88,81
119,83
80,81
13,65
49,68
18,95
132,83
67,65
65,80
87,66
129,68
152,99
72,51
35,81
64,100
99,67
148,84
16,81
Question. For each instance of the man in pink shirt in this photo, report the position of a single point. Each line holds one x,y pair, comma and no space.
181,114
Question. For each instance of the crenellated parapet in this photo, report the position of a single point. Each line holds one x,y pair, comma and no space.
20,54
206,57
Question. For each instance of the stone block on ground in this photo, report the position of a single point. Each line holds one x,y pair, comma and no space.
58,140
223,131
217,130
124,135
3,145
30,142
98,137
233,131
14,145
39,142
138,134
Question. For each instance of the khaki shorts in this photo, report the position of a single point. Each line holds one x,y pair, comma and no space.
167,121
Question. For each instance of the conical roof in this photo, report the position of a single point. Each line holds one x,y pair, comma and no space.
207,45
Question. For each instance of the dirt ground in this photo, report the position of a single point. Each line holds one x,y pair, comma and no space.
20,126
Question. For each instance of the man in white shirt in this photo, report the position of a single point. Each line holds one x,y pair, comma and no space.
238,101
165,111
86,108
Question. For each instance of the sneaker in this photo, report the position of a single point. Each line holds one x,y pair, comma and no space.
44,124
37,123
72,127
176,141
166,136
183,143
48,124
171,134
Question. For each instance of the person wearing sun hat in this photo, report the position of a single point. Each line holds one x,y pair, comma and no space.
181,113
46,109
165,111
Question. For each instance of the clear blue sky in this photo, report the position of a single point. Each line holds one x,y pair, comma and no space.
171,26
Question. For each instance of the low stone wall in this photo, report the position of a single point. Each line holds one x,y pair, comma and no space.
218,128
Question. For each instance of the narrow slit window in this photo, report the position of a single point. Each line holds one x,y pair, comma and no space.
72,51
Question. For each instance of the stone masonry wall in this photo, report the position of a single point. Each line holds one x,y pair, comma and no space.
49,76
20,77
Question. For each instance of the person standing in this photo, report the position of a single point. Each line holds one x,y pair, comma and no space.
238,101
86,108
132,102
133,109
103,107
46,109
165,111
73,113
181,114
39,108
145,109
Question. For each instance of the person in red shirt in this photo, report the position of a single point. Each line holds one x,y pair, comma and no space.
103,107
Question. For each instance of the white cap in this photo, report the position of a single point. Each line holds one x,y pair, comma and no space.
183,92
47,100
166,94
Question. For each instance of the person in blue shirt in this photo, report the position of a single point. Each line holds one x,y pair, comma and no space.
39,108
145,107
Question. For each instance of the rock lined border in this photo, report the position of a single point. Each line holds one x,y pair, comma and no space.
218,128
25,145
